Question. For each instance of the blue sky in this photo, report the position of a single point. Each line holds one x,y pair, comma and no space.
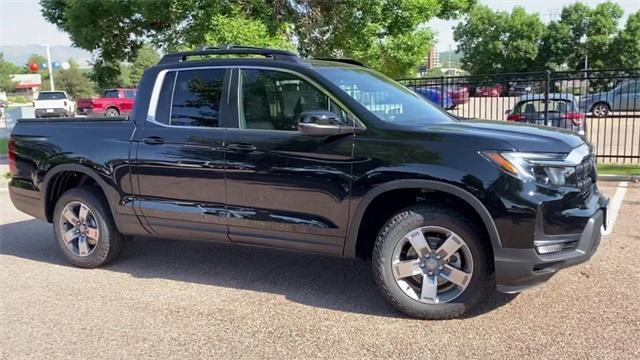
22,24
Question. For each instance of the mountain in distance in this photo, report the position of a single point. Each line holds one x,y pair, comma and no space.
19,54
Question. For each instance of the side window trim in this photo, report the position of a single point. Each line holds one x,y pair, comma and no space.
232,105
157,87
357,123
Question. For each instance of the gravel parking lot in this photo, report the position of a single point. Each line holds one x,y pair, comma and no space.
170,299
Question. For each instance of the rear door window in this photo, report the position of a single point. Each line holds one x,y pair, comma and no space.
196,98
113,94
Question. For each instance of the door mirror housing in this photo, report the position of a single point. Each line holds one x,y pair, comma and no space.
322,123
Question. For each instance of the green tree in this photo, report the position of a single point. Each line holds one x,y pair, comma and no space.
581,32
499,41
387,34
626,45
7,69
74,81
146,57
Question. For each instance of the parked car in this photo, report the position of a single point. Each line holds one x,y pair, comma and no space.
522,88
459,94
496,90
114,102
321,156
562,110
435,96
53,104
624,97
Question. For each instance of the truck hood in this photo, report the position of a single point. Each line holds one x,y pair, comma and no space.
521,137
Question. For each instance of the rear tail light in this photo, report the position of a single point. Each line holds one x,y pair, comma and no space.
11,155
33,103
516,117
65,103
576,117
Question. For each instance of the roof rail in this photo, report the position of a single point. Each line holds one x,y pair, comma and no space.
230,50
346,61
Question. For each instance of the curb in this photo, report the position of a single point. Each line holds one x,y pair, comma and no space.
631,178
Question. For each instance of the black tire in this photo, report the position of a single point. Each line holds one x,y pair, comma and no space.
110,241
112,112
415,217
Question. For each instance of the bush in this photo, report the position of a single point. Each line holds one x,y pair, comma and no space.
18,99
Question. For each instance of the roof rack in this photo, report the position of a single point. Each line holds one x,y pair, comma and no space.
230,50
346,61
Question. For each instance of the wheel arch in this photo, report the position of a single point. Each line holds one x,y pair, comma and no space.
351,243
53,178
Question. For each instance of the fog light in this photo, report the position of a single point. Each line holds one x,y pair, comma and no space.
548,249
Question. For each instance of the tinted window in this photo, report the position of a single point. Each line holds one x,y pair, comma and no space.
58,95
111,94
630,87
274,100
196,98
129,94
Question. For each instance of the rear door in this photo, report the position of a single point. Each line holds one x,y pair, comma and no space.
179,166
285,189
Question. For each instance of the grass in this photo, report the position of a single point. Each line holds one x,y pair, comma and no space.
3,146
618,169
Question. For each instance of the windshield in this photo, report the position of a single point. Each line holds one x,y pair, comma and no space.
51,96
387,99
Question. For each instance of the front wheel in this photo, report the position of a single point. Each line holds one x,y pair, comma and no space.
600,110
431,262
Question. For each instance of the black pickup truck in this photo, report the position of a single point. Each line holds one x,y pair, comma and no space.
324,156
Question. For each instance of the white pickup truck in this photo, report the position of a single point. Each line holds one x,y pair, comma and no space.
54,103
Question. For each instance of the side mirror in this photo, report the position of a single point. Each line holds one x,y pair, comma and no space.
321,123
508,112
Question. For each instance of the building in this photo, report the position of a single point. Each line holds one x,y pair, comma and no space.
433,59
27,84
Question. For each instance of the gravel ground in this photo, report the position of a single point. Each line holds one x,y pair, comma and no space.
170,299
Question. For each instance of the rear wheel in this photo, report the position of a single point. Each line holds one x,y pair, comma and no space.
112,112
431,263
84,228
600,110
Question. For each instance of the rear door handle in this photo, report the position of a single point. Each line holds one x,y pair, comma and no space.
241,148
154,140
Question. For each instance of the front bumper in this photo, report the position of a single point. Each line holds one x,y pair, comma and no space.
519,269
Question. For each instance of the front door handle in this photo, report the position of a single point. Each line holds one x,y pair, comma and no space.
241,148
154,140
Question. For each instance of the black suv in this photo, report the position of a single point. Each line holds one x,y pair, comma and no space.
325,156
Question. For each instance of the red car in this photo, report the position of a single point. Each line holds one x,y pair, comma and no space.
459,95
490,91
115,102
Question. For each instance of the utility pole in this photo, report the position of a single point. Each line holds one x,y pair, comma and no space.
49,66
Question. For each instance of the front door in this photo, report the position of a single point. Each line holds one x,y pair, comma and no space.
285,189
179,166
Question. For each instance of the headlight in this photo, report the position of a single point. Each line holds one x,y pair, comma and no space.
543,168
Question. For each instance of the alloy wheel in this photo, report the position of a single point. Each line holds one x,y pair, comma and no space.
432,264
79,229
600,110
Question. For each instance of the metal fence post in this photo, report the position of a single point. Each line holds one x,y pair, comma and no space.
442,90
547,81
